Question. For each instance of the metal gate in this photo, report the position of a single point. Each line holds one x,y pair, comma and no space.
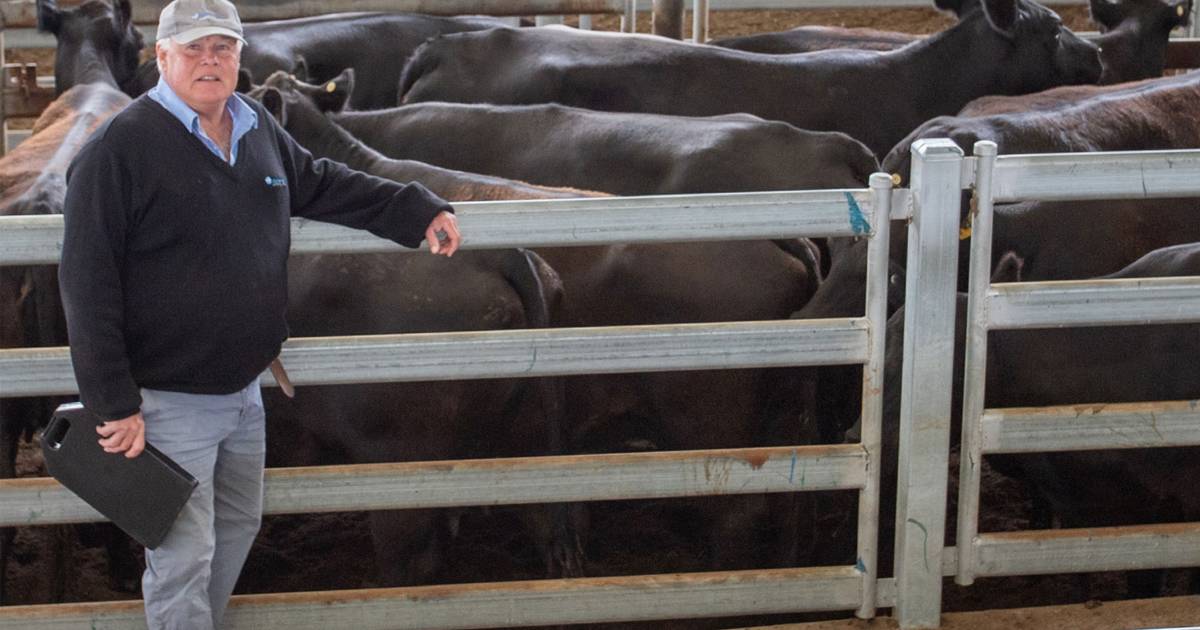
836,213
1028,305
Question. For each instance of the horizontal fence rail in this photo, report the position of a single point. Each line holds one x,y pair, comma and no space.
516,353
1087,550
30,240
1129,301
511,481
1090,427
488,605
1105,175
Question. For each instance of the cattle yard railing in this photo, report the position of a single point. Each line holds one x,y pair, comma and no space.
542,352
931,206
1026,305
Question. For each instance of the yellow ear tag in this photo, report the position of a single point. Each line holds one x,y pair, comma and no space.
330,87
1179,10
964,233
896,179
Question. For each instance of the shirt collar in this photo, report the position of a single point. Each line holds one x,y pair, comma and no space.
244,116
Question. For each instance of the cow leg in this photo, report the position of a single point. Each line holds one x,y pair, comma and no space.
409,545
8,470
555,530
62,554
124,567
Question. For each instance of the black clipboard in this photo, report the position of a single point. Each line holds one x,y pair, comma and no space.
143,496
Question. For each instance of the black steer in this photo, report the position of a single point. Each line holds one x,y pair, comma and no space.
1133,38
1005,47
616,152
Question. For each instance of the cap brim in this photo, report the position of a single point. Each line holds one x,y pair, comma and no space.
193,34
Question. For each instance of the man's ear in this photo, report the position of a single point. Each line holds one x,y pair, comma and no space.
272,99
335,93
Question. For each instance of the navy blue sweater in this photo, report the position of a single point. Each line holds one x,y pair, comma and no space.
174,264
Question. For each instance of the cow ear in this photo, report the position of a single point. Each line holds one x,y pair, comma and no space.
272,100
1107,13
955,6
122,14
245,82
1009,268
1002,15
1183,13
300,68
335,92
49,18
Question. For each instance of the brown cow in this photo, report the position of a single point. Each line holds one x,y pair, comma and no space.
1149,114
617,152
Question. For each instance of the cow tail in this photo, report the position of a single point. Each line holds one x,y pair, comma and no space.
540,290
809,253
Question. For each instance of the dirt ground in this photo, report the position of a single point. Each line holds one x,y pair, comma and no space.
333,551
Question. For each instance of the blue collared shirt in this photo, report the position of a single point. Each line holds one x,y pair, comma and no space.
244,118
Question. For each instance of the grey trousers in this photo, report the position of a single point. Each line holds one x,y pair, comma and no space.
221,441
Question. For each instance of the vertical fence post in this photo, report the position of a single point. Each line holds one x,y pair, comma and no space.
699,21
629,20
926,381
970,453
872,390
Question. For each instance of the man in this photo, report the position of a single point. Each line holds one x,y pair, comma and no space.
173,278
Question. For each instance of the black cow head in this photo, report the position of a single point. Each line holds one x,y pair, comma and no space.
1134,35
281,90
1111,14
1031,45
97,42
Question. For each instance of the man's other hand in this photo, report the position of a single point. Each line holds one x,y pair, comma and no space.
127,435
442,234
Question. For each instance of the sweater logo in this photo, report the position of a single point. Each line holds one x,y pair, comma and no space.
276,182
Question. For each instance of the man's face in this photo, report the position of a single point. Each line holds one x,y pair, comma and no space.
203,72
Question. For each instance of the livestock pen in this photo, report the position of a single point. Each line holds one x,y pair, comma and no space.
600,477
932,208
